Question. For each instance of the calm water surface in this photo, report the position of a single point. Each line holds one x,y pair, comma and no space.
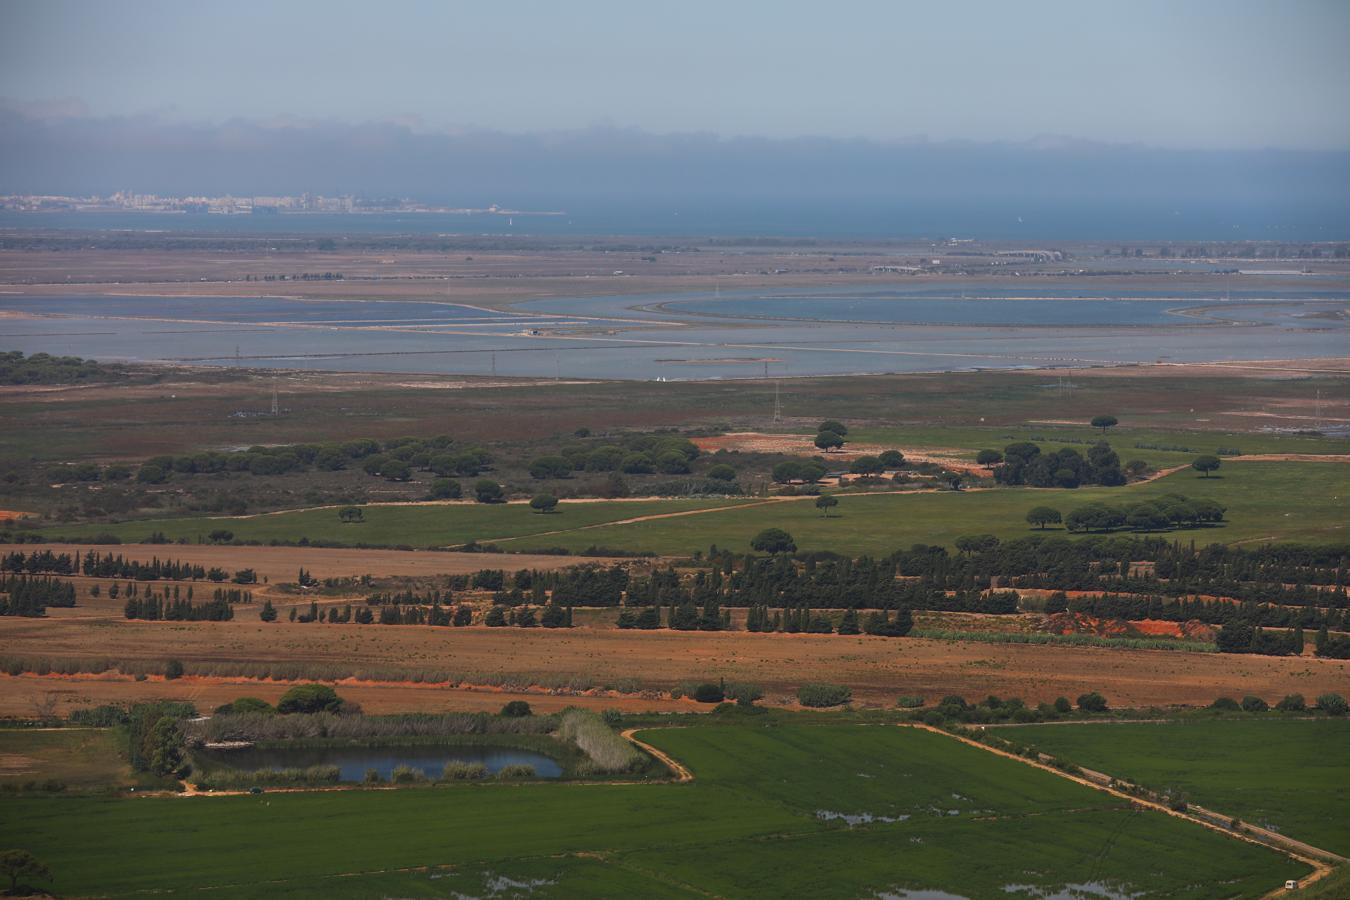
354,761
730,334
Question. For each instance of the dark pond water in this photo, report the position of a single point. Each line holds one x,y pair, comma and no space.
354,761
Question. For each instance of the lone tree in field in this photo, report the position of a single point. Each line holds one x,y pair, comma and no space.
773,540
1206,464
834,425
22,864
487,491
989,457
829,440
825,503
543,503
891,459
350,514
1042,516
1104,422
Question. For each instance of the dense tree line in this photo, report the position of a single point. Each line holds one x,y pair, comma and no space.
160,607
410,597
43,368
1211,612
1170,511
1025,463
1330,646
393,460
637,454
95,565
1314,564
1288,574
110,566
26,595
1244,637
579,586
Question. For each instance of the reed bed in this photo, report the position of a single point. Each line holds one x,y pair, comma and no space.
333,727
606,751
231,779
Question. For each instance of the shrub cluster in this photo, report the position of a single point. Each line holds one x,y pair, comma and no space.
821,695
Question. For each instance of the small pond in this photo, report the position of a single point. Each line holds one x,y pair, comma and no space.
354,761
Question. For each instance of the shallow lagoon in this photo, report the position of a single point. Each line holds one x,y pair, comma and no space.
353,762
699,336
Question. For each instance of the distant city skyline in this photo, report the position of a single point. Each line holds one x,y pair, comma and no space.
241,203
1243,74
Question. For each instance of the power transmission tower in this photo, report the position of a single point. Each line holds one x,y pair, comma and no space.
275,409
777,403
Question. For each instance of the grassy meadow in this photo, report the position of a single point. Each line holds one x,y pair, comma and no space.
1267,501
766,814
1292,776
78,758
1277,501
414,526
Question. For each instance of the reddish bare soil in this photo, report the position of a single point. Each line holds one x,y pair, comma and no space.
1192,630
802,445
1081,623
20,695
878,670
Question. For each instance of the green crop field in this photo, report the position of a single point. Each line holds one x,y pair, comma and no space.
767,814
416,526
1292,776
1278,501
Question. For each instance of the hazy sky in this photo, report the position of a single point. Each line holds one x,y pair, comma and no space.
1197,74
